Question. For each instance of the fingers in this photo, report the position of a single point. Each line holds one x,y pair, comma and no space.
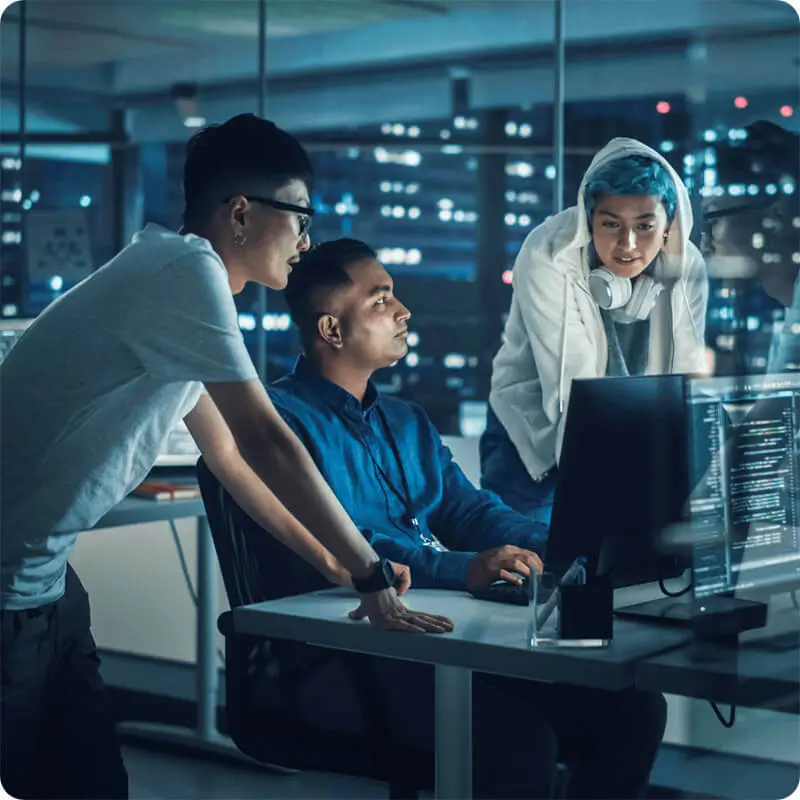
358,613
531,559
402,624
401,619
511,577
520,565
421,623
436,620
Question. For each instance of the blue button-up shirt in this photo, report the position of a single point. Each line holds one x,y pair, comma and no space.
425,514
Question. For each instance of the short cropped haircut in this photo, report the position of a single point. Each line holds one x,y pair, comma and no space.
319,271
244,154
632,175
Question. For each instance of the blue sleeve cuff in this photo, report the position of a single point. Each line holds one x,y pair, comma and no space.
430,569
451,572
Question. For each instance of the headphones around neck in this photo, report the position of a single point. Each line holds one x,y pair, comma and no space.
630,300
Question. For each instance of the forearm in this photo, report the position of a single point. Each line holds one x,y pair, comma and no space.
429,569
280,461
261,505
473,519
527,534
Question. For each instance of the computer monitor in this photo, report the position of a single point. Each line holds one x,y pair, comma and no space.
744,508
623,478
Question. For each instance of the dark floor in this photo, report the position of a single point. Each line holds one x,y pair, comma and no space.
162,775
160,772
157,773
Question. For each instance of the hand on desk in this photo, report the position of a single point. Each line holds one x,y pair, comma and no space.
385,610
501,563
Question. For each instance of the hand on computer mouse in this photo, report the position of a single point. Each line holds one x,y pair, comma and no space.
506,563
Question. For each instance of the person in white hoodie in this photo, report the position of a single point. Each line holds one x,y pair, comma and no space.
610,286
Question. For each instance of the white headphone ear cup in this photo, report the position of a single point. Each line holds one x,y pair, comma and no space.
608,290
643,297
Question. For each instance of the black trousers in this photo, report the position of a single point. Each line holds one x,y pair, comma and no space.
58,738
521,729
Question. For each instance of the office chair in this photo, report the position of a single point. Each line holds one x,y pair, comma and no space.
264,678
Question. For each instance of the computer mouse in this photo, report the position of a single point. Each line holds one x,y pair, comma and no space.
521,580
506,591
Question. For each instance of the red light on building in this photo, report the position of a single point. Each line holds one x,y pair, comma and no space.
663,107
508,276
787,111
740,102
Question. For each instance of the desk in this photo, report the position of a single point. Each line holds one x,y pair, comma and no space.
488,637
134,511
760,672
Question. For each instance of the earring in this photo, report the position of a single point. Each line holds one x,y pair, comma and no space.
239,238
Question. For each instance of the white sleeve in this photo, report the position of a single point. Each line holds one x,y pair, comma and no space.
555,328
183,324
690,356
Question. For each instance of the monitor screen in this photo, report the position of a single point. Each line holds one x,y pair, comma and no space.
744,508
623,478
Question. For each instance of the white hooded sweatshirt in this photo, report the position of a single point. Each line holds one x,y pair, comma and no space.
555,332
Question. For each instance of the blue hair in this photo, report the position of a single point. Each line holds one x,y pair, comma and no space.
632,175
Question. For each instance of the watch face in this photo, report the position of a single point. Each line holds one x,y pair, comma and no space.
388,572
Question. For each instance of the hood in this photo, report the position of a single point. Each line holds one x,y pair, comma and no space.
674,253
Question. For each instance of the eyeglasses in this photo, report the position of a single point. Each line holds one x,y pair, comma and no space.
305,212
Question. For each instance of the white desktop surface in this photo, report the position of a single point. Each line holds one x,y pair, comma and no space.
488,637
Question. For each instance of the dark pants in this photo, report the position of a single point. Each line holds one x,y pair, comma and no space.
58,737
503,473
521,729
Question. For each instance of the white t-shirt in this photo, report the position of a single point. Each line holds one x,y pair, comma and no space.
93,388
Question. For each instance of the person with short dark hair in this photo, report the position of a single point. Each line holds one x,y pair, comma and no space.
90,393
343,329
389,467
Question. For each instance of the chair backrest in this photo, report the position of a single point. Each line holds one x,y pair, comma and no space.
255,565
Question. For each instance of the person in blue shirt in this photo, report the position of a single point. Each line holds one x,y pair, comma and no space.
390,470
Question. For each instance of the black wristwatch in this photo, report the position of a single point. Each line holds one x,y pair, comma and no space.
382,577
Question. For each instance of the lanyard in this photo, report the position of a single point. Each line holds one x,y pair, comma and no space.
404,497
411,517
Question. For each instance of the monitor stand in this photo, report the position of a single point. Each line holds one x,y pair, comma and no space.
718,616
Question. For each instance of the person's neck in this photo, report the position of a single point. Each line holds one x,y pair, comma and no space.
352,379
236,281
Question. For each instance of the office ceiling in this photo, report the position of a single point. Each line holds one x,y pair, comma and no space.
337,62
91,32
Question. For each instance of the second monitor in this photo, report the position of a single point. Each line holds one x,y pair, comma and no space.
708,467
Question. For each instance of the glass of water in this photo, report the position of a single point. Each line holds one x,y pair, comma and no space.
543,626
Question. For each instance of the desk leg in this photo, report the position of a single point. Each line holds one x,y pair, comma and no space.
453,733
206,674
